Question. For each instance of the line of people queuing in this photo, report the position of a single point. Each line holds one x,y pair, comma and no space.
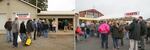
32,29
135,32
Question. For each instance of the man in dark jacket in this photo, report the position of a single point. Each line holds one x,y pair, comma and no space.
143,32
39,30
148,32
45,28
134,34
29,28
8,27
22,32
35,28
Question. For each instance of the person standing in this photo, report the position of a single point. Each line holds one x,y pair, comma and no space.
121,33
92,28
143,32
115,35
88,32
65,22
148,32
54,26
39,30
127,31
8,27
134,34
96,29
23,32
104,30
82,26
29,28
35,28
46,26
15,30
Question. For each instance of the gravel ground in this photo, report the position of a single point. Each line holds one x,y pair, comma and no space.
64,42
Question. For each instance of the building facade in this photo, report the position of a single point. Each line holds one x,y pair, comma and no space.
16,8
59,17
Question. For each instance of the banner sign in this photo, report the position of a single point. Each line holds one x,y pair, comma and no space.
23,15
132,13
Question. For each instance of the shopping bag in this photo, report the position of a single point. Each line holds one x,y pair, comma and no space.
19,39
28,42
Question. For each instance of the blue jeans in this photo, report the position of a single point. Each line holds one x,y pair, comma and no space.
127,35
104,41
15,37
88,32
115,42
46,33
23,37
9,36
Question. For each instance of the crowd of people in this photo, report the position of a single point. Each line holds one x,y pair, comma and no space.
27,30
136,32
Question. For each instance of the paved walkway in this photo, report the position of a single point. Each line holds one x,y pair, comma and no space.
93,43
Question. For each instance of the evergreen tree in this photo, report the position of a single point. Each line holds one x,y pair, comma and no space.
41,4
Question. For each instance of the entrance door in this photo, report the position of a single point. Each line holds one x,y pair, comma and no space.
61,23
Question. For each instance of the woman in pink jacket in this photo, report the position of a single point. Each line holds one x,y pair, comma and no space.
104,30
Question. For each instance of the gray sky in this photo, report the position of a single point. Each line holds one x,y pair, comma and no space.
61,5
115,8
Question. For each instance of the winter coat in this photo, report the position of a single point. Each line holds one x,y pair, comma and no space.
22,28
46,26
39,26
29,27
134,31
104,28
114,31
148,33
121,31
15,26
143,28
8,25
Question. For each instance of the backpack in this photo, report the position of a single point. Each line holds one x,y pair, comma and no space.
78,30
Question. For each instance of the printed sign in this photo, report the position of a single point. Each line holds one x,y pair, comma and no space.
23,15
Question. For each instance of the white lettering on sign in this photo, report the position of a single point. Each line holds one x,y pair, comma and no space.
23,15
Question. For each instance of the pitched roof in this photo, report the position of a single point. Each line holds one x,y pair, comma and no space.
30,4
93,10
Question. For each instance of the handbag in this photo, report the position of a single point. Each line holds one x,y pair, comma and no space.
28,42
19,39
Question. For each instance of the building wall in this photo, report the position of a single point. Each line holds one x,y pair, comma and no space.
15,6
18,6
3,13
3,6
